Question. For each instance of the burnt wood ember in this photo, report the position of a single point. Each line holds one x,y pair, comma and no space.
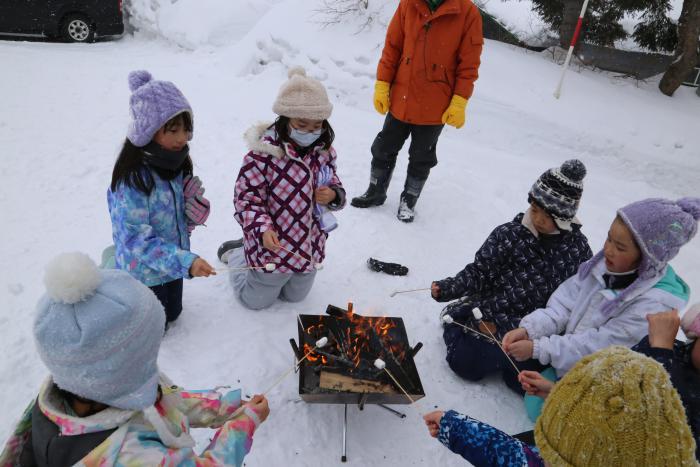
346,364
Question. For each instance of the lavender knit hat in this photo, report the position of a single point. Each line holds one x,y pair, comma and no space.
152,104
98,331
302,97
660,227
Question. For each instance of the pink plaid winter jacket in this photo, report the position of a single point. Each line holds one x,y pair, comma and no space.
275,190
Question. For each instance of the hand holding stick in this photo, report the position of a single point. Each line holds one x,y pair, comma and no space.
319,343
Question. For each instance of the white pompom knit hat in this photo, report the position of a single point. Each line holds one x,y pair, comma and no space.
98,331
302,97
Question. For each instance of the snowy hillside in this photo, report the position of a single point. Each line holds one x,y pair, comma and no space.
64,115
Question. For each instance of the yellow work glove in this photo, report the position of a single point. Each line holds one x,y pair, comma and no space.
454,115
381,96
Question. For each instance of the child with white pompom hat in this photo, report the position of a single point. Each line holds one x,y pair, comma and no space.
105,402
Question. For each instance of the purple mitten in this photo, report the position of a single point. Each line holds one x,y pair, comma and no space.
197,209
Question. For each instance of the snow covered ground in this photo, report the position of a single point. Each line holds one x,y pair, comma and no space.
64,114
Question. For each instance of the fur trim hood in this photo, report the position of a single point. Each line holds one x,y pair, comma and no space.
260,137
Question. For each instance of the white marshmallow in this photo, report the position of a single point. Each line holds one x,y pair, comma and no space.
477,314
448,319
269,267
380,364
321,342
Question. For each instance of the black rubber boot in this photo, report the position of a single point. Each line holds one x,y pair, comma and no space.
227,248
409,198
376,192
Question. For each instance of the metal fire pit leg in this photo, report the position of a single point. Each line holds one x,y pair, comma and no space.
395,412
344,458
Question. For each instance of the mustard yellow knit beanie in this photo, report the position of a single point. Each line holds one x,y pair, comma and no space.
615,408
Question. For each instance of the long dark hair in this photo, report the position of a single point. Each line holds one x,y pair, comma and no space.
129,167
281,126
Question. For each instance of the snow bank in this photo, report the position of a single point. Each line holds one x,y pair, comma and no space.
196,23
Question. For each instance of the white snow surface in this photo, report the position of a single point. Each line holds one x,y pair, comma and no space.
64,116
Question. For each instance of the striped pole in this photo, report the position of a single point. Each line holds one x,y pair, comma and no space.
574,39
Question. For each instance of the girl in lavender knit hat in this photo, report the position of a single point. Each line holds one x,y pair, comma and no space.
154,200
607,301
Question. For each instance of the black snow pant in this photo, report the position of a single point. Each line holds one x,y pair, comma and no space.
422,154
473,358
170,296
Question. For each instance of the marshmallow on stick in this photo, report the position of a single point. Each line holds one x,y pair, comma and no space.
478,315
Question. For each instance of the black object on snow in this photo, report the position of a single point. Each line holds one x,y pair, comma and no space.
227,247
393,269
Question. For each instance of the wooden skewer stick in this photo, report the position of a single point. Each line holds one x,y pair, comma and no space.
447,319
268,267
381,365
477,315
319,343
393,294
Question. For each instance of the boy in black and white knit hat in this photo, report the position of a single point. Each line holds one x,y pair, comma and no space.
513,273
558,191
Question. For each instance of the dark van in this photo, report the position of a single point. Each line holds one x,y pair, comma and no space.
72,20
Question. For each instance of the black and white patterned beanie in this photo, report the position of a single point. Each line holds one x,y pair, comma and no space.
558,191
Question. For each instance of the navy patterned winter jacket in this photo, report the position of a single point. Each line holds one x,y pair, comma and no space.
684,377
513,273
483,445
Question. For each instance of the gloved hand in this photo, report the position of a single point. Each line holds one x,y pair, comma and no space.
197,207
192,186
454,115
381,96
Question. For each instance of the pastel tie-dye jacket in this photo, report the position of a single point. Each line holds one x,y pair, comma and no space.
150,231
136,442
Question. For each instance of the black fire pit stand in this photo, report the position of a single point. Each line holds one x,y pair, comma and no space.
344,457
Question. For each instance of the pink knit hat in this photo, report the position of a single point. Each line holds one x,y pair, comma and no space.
690,322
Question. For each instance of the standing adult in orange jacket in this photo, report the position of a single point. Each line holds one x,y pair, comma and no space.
425,76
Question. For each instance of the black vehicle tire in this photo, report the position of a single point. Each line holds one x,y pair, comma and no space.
77,28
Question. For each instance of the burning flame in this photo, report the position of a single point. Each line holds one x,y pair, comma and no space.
363,336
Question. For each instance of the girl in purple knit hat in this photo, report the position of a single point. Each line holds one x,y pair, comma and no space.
607,301
154,200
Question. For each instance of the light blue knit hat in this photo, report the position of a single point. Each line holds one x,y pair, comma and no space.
153,103
98,332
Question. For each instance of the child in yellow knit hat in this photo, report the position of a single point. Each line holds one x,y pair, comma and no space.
614,408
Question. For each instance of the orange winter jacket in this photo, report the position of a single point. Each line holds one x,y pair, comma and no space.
429,56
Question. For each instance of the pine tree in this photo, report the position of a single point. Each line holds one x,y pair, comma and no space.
602,22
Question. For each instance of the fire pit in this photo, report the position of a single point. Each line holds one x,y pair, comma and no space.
343,371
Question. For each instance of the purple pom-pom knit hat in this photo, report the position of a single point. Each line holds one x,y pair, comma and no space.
152,104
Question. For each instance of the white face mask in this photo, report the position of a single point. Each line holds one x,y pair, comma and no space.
304,138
